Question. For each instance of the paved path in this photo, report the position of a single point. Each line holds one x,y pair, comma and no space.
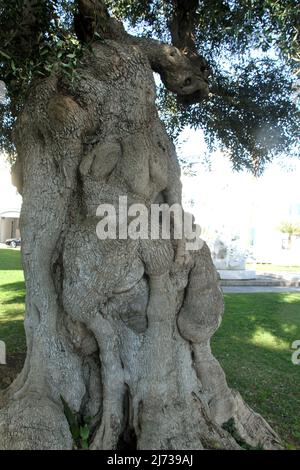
256,289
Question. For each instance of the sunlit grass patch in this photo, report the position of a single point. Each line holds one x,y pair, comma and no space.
266,339
12,299
268,268
253,345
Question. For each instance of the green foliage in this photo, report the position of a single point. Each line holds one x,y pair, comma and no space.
80,431
230,427
234,25
253,121
252,47
53,48
290,227
55,56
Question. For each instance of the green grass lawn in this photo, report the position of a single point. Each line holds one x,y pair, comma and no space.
253,345
269,268
12,298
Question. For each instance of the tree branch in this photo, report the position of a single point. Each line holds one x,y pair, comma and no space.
182,74
33,17
182,24
182,71
93,22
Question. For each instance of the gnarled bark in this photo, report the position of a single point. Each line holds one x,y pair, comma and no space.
119,328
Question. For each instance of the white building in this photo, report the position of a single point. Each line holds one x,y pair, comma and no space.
10,204
226,203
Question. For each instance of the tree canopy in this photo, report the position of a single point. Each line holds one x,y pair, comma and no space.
251,48
290,227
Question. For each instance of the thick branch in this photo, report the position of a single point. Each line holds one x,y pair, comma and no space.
93,22
34,15
185,74
182,24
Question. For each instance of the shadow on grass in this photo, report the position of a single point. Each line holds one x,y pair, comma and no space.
13,334
19,299
13,287
13,293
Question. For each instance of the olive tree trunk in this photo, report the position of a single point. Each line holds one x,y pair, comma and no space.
119,330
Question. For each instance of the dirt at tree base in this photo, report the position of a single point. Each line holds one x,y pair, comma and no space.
9,371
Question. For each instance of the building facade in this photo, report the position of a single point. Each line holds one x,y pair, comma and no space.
9,224
10,205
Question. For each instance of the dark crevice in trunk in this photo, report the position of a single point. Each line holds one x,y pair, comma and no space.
85,412
128,438
192,355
